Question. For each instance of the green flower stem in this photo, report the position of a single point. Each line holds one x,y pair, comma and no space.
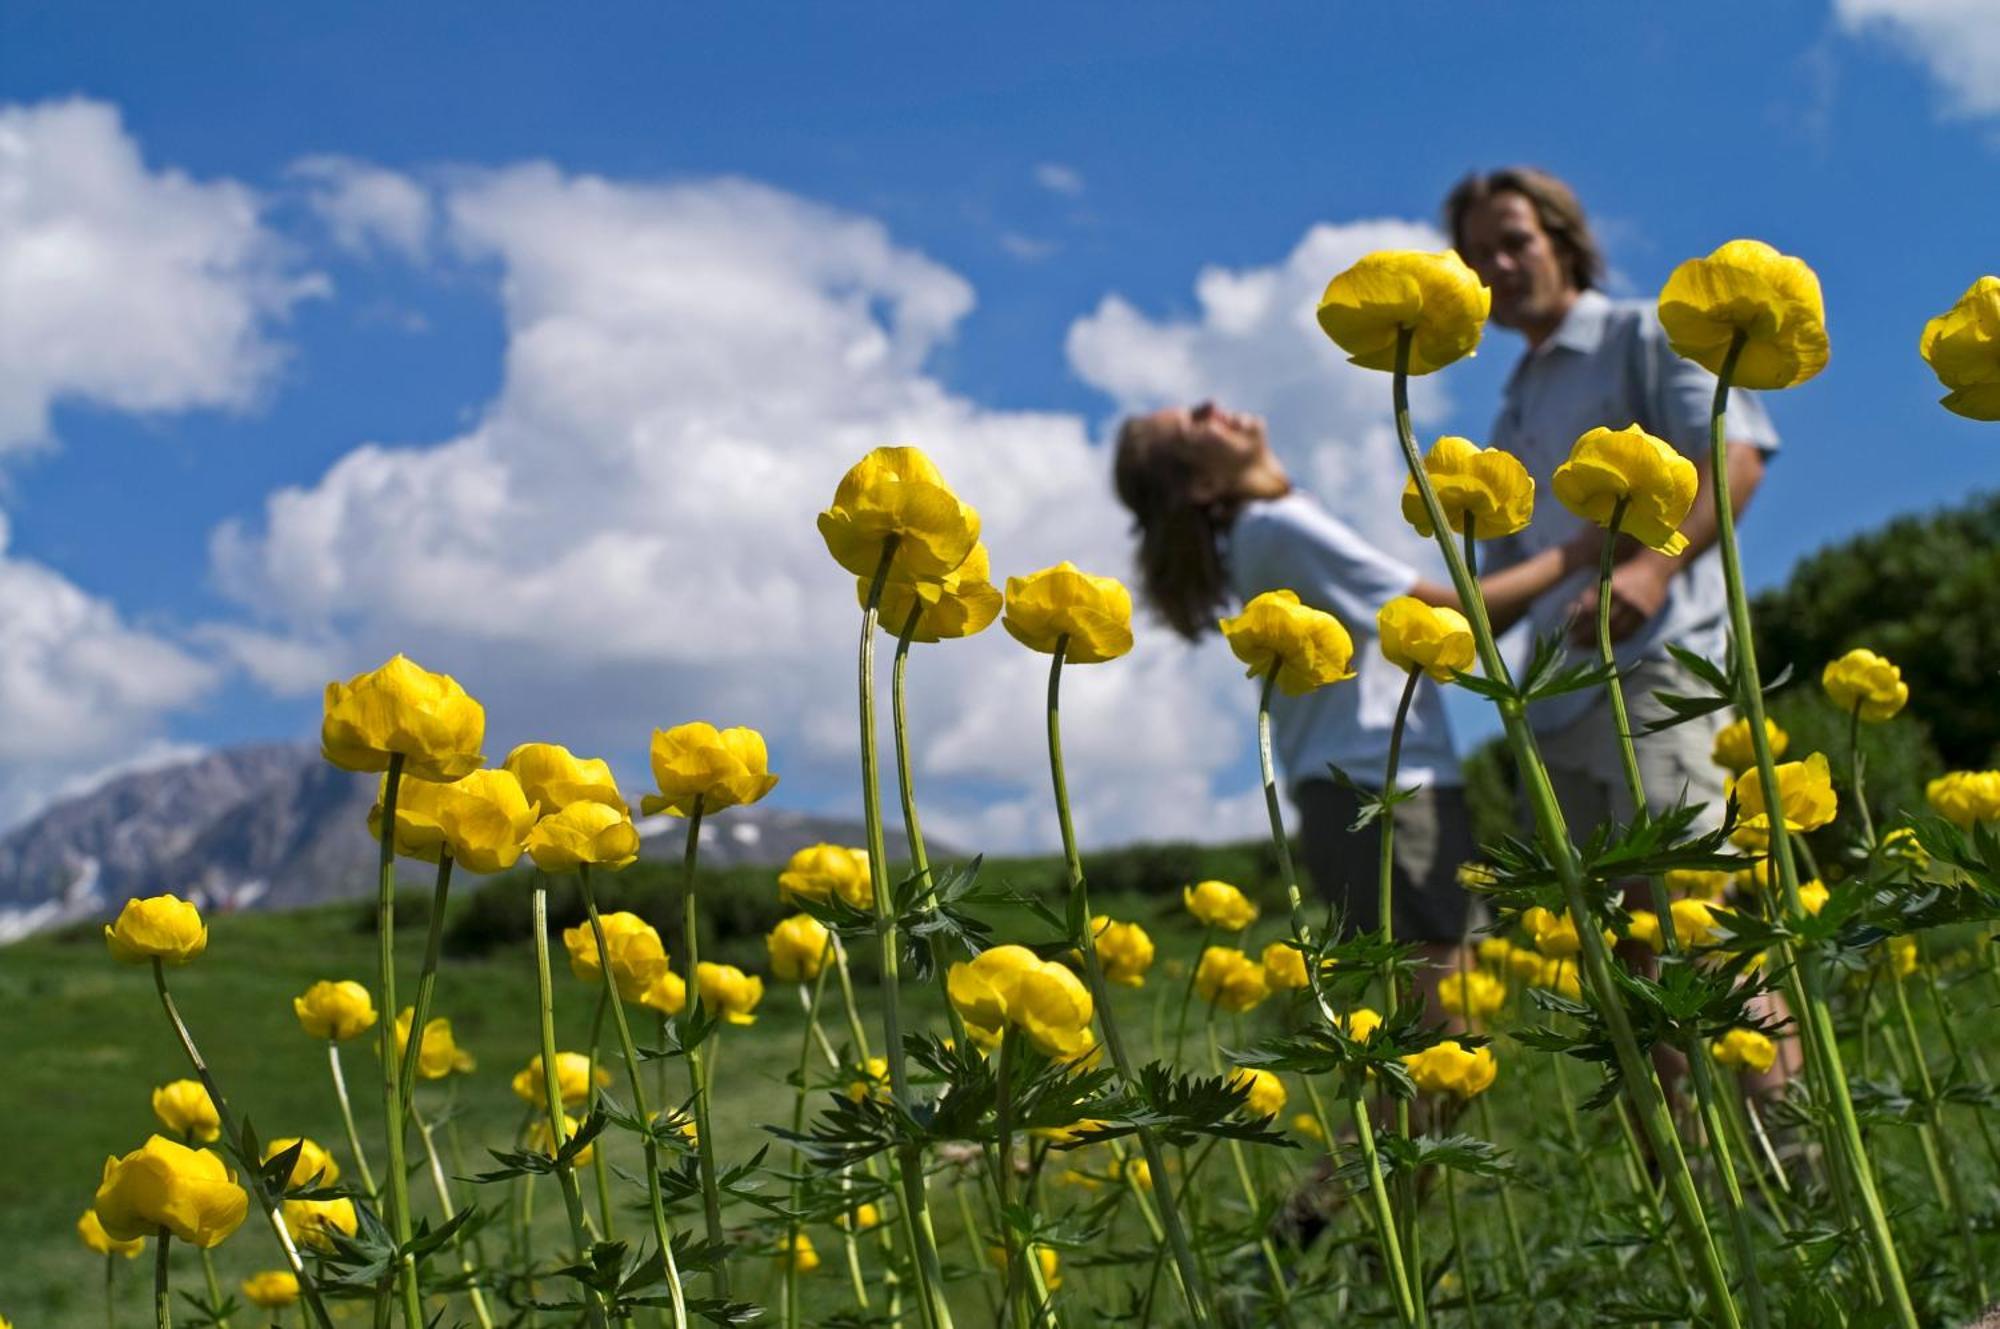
935,1310
1513,1220
110,1292
1281,1291
213,1284
1857,770
271,1205
1187,991
392,1076
1945,1179
347,1117
599,1172
1640,1083
697,1056
1461,1255
572,1193
1193,1288
1571,1124
1822,1044
1012,1304
1635,1175
1268,770
656,1201
1385,864
1959,1053
426,980
858,1034
1385,1215
799,1096
443,1187
163,1300
1696,1051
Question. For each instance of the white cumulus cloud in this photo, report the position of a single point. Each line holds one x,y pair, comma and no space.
365,207
137,289
1957,40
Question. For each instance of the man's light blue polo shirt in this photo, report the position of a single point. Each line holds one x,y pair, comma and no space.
1609,364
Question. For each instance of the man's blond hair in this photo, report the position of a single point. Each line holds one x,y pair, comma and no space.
1556,208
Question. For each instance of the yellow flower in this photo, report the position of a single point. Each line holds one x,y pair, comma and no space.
1448,1068
1560,976
1362,1022
1123,950
637,956
1493,952
1264,1092
1733,751
1745,1049
1862,680
960,604
729,991
864,1218
1962,346
1484,486
1137,1171
668,995
1695,922
1965,798
584,833
184,1107
167,1185
1812,895
820,871
897,492
271,1289
1645,927
482,819
1011,985
94,1236
1750,288
313,1168
403,708
1434,296
543,1141
1805,800
1307,647
1698,883
1415,635
1284,967
798,946
573,1080
981,988
800,1255
1306,1124
1554,934
1050,1263
873,1083
335,1010
552,778
1902,846
1525,963
163,927
1656,484
1474,994
439,1054
1230,979
1091,616
1218,905
719,768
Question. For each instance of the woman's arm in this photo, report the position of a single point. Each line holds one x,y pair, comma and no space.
1510,591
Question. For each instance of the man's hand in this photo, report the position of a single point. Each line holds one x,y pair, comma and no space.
1638,591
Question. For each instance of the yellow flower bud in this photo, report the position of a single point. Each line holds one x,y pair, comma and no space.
1695,922
800,1255
584,833
1812,895
481,819
312,1169
1902,846
1645,927
1230,979
1733,751
729,991
1962,347
314,1222
818,872
271,1289
1264,1092
1307,647
962,603
93,1235
1415,635
1284,967
983,987
1806,800
1218,905
1091,616
1435,297
864,1217
1306,1124
1489,488
1493,952
1902,956
573,1080
1965,798
1746,287
667,995
1362,1022
718,768
874,1081
1474,994
403,708
184,1107
439,1053
1656,485
1045,1257
167,1185
162,927
1865,682
799,947
335,1010
637,956
552,778
543,1141
1124,950
1449,1068
897,493
1053,1008
1745,1049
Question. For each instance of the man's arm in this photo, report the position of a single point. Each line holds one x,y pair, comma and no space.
1639,582
1509,591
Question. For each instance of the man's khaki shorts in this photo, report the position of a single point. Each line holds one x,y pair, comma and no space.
1589,775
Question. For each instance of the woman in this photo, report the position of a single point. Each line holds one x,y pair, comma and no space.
1219,521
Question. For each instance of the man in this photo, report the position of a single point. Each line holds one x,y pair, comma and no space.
1592,361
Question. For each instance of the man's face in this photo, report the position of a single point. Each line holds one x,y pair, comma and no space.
1502,240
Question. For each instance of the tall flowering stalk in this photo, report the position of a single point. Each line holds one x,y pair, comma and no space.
1754,318
337,1011
1410,313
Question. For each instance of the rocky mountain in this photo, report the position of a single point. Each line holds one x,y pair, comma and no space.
272,826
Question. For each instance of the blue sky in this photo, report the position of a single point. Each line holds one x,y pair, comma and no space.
444,230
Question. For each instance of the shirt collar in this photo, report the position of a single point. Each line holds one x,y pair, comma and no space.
1582,328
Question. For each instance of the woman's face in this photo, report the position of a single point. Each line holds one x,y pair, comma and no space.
1227,451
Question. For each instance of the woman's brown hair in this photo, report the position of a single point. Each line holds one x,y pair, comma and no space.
1180,537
